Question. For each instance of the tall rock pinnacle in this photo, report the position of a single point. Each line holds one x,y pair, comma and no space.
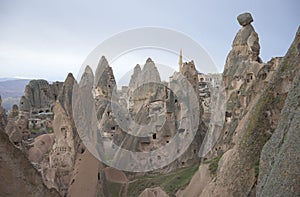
245,46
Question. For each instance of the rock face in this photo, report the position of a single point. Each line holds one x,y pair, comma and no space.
149,74
245,19
18,177
17,127
153,192
279,162
245,46
3,116
58,170
244,162
65,94
62,155
134,77
40,94
41,145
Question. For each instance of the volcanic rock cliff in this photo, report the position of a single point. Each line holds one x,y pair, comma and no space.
256,153
18,176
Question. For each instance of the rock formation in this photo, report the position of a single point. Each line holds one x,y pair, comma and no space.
3,116
41,94
65,94
134,77
34,115
18,177
245,162
87,178
41,145
16,127
279,161
58,170
153,192
159,111
245,46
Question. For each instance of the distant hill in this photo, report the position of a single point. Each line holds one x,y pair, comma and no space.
11,89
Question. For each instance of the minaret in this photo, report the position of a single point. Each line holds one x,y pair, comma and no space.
180,60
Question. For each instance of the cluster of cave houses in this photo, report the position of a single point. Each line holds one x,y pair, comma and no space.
39,122
163,107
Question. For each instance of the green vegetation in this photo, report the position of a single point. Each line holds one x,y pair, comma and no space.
35,131
232,127
213,165
114,188
256,168
170,183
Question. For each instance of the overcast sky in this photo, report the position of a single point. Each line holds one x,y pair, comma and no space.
48,39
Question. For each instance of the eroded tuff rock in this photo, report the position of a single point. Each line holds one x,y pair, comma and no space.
57,169
62,155
41,94
256,94
104,81
3,116
41,145
163,108
17,127
18,177
279,172
65,94
245,19
245,46
87,178
149,74
153,192
150,100
133,83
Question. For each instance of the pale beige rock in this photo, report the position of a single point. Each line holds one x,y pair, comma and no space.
199,181
41,145
84,181
153,192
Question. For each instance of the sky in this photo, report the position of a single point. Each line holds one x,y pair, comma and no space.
49,39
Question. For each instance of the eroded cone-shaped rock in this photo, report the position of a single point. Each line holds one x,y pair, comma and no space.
149,73
12,117
245,47
104,79
134,78
65,95
62,155
245,19
104,87
3,116
84,103
87,78
83,181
